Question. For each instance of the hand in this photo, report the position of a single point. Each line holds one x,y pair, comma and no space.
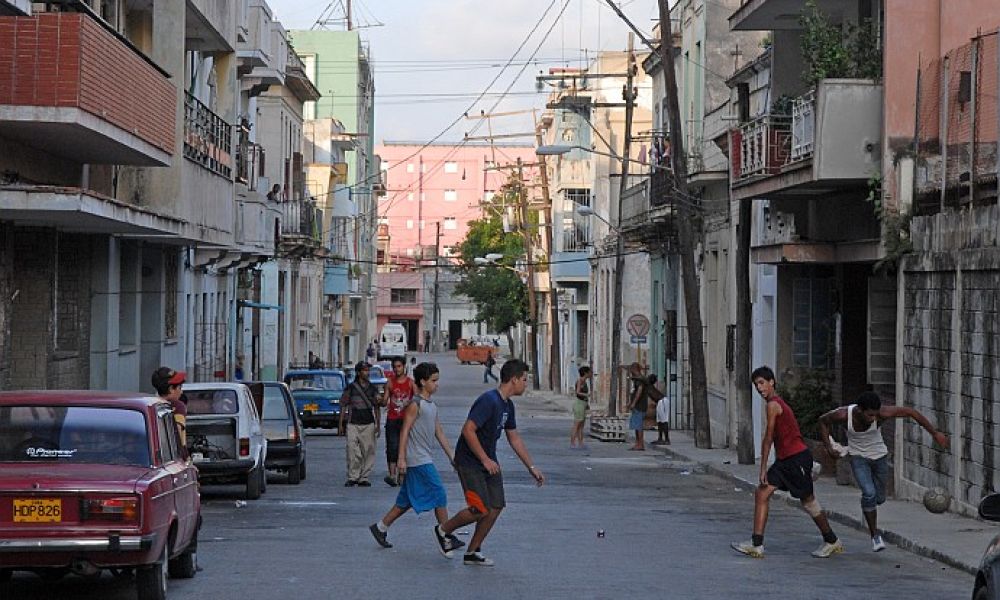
491,466
941,439
831,451
401,468
537,474
763,478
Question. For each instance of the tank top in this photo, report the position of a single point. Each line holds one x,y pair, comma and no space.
400,394
868,443
584,390
787,437
421,439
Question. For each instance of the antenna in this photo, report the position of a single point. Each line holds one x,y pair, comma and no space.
339,14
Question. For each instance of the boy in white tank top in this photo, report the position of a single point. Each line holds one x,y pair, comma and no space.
867,449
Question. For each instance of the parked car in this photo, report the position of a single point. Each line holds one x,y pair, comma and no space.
377,378
225,436
987,586
317,395
286,441
96,480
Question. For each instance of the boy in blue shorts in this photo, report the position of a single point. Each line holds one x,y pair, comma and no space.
421,487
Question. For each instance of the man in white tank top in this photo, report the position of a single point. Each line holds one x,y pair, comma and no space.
867,449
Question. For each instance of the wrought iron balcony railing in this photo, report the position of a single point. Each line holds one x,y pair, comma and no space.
207,137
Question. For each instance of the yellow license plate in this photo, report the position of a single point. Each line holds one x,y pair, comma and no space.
312,407
37,510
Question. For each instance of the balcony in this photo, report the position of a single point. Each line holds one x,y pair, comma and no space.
210,25
829,142
301,223
207,137
771,15
647,209
72,88
297,80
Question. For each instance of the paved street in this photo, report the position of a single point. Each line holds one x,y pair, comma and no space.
668,529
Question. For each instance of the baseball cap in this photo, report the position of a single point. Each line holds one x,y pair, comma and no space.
168,376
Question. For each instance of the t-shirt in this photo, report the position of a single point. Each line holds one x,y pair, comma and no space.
361,400
400,395
663,410
180,417
492,415
642,402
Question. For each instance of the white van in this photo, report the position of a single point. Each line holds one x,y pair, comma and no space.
392,342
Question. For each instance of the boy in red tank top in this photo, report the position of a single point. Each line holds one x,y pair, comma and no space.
791,471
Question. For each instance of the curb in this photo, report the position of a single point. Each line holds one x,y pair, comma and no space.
839,517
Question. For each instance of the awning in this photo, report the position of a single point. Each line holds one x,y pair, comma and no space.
258,305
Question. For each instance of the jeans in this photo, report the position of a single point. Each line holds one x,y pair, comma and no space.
489,373
871,476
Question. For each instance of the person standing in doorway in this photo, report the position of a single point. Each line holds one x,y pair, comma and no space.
421,489
476,462
398,395
364,426
638,403
791,472
581,405
488,365
867,449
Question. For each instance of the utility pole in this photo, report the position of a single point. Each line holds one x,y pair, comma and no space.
629,94
555,362
685,237
522,198
436,319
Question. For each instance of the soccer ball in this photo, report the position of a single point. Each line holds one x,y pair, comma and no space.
937,500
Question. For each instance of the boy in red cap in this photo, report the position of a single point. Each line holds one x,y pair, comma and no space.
167,383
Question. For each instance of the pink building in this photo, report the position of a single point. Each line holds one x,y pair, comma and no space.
438,185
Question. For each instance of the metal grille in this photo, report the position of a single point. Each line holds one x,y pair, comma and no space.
207,137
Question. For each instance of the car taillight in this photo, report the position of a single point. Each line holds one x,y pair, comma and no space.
292,433
110,509
244,446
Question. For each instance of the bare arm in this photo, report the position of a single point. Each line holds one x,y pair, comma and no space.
345,400
773,410
899,412
409,416
469,434
517,444
837,415
443,440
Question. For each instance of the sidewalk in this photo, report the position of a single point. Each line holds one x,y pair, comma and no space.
952,539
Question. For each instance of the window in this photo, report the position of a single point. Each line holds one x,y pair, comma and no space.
275,407
383,220
409,167
128,293
421,223
575,227
409,196
451,167
450,195
73,434
212,402
165,423
450,223
170,294
402,296
812,323
409,223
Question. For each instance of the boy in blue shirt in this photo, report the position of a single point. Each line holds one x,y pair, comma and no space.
476,461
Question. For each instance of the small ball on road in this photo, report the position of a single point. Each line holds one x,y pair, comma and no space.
937,500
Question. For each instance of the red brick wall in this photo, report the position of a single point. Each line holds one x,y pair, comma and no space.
69,60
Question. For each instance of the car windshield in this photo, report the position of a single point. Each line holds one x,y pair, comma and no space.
315,381
212,402
392,338
275,407
73,434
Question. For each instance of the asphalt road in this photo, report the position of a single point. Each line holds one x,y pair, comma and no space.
667,533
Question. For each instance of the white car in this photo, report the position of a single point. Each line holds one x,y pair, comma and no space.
225,437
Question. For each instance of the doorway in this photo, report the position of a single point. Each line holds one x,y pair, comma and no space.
454,334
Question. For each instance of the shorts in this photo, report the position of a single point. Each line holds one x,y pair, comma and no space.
635,421
422,489
793,474
481,489
392,429
580,410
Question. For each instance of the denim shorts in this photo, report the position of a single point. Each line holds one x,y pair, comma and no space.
871,475
635,420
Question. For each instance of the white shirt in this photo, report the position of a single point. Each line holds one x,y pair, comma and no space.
663,410
869,443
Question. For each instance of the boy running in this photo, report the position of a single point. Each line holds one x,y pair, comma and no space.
791,472
476,461
421,489
868,452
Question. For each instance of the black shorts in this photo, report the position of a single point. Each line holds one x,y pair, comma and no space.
793,474
482,490
392,429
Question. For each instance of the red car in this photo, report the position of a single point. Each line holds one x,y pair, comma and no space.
96,480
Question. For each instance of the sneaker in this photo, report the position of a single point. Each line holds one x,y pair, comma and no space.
877,544
749,549
827,549
364,484
380,536
444,543
477,559
455,542
350,483
390,481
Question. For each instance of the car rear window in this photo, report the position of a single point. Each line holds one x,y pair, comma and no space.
275,406
315,381
376,372
73,434
212,402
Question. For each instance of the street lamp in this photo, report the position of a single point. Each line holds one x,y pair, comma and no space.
585,211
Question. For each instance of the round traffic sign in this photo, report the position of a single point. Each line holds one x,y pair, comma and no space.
638,325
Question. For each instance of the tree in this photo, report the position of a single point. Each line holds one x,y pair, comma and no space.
501,298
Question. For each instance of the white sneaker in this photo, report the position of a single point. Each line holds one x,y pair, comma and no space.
827,550
877,544
749,549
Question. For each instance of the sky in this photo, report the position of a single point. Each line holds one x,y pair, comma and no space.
433,58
